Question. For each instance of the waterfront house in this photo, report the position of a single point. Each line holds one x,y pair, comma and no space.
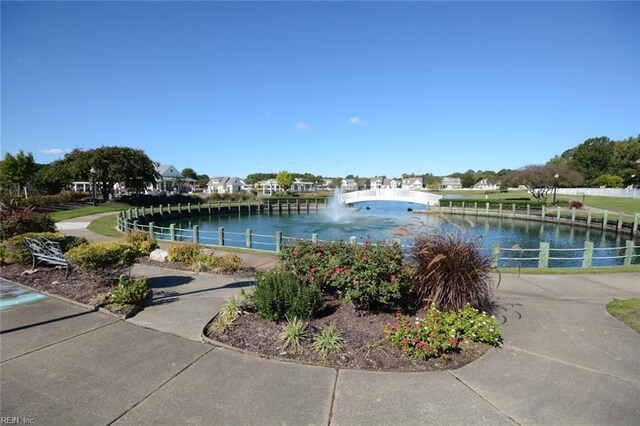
348,185
413,183
224,185
377,182
391,183
451,183
485,185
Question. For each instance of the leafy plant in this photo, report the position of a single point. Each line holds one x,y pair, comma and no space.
451,272
228,264
473,325
229,312
143,241
294,332
279,294
130,290
183,252
371,276
328,341
103,258
16,252
575,204
23,220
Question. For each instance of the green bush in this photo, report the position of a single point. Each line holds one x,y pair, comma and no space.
129,291
205,262
16,252
228,264
143,241
21,221
371,276
280,294
104,257
183,252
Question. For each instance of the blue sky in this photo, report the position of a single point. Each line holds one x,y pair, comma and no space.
363,88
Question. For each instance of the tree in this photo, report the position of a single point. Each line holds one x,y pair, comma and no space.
18,170
540,180
111,165
468,179
608,181
592,158
285,180
189,173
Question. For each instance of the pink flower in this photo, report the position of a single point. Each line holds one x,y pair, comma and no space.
319,254
296,252
312,278
313,270
392,278
364,258
397,314
453,341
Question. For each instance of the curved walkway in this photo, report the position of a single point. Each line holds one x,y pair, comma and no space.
565,360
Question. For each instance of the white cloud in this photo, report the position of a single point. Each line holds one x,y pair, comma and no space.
358,121
303,126
52,151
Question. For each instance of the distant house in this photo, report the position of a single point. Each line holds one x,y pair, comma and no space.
269,187
486,185
413,183
300,186
349,185
169,178
391,183
377,182
224,185
451,183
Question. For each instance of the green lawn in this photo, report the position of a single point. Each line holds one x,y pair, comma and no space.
105,225
86,211
571,271
627,311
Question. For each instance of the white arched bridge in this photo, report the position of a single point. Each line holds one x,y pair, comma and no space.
406,195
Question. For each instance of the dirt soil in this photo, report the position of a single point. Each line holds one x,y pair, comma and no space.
365,345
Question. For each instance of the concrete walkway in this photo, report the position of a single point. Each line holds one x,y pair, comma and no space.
565,360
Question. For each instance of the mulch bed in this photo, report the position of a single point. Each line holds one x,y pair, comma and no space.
365,345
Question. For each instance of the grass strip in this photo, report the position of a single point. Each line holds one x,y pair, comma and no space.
627,311
571,271
105,225
86,211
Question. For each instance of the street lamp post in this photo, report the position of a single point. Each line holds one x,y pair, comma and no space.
92,171
555,188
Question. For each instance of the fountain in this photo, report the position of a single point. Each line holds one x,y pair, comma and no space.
337,210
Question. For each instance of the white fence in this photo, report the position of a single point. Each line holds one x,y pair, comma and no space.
603,192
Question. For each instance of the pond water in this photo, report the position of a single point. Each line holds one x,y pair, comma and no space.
379,220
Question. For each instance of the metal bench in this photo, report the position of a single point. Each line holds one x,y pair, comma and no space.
45,251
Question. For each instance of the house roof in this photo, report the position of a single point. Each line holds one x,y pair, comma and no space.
167,170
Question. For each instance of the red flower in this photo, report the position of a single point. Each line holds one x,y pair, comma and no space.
397,314
319,254
296,252
313,270
364,258
392,278
453,341
312,278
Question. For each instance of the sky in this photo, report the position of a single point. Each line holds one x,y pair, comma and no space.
328,88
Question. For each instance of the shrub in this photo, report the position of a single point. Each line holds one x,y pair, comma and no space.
16,252
205,262
230,311
103,258
130,291
451,272
440,332
293,333
575,204
21,221
143,241
229,263
370,276
183,252
279,294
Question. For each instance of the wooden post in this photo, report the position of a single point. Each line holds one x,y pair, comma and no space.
160,209
221,236
189,208
543,212
278,241
605,219
620,221
500,209
151,230
573,215
487,208
495,255
513,209
543,262
636,223
314,238
353,241
558,213
475,208
135,224
248,239
196,234
628,252
587,260
528,210
463,207
172,232
209,208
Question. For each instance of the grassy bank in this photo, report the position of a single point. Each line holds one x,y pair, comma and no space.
627,311
86,211
105,225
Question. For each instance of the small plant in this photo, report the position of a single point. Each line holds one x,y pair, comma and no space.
575,204
143,241
228,264
16,221
294,332
279,294
230,311
328,341
183,252
202,262
370,347
475,326
130,290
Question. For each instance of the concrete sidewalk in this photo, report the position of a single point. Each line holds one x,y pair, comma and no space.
565,360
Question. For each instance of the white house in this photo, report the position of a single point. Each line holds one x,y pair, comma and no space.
377,182
391,183
413,183
349,185
451,183
269,187
169,177
300,186
224,185
486,186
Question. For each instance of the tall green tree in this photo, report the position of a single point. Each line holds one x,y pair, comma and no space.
18,170
592,158
285,180
189,173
